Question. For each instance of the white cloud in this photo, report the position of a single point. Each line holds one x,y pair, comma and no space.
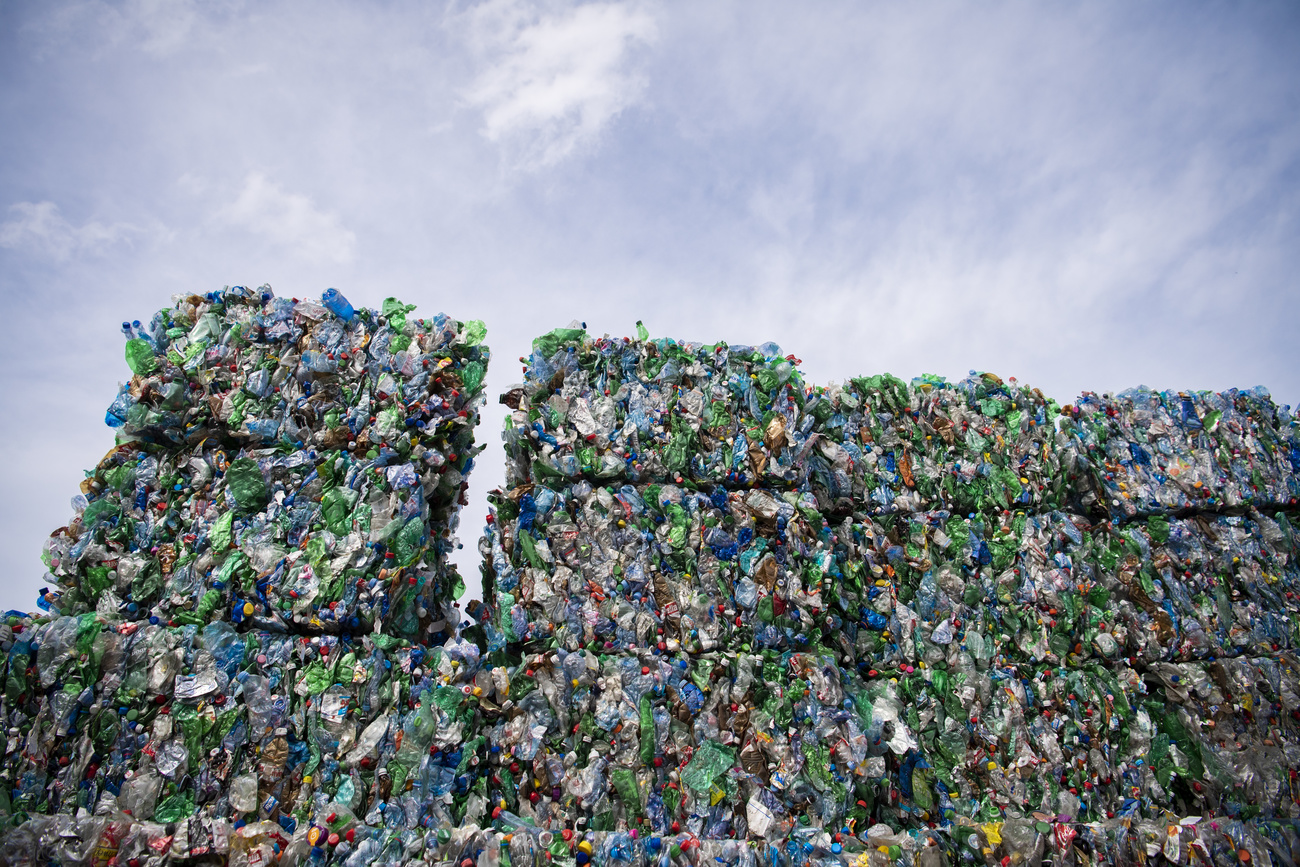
40,228
789,206
553,81
289,220
1084,196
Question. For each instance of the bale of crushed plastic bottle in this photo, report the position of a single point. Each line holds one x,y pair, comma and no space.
1153,452
294,464
658,411
252,645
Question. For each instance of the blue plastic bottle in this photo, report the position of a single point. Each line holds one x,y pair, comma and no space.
337,304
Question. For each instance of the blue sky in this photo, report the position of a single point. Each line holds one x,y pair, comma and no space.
1085,196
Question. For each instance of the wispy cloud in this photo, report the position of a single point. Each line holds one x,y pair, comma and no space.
41,229
288,220
1081,195
163,26
155,27
552,80
788,206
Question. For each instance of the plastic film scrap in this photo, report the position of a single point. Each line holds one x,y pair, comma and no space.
729,616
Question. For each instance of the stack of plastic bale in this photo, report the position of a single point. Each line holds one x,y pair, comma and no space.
147,740
1158,452
298,464
252,653
835,621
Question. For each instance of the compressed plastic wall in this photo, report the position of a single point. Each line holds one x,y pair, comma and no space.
882,620
729,616
255,588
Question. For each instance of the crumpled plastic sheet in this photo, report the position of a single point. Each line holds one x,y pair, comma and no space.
289,463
